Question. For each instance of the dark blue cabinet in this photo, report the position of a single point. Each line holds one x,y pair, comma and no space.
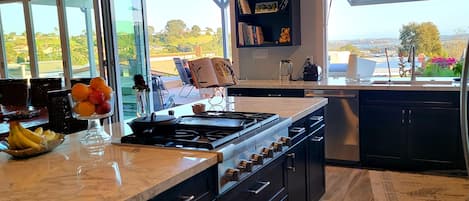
410,130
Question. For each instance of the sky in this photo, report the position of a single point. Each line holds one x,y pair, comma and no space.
345,22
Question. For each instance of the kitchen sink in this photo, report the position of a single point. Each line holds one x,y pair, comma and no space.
408,82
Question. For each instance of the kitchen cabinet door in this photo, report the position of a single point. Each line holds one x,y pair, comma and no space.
296,171
382,135
316,159
434,140
201,187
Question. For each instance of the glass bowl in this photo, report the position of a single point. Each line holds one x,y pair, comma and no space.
95,134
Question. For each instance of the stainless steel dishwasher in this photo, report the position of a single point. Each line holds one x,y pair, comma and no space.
341,116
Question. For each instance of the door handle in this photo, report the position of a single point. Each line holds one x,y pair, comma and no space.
402,117
410,116
264,185
293,166
187,197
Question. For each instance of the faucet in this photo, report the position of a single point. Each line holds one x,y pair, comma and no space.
411,59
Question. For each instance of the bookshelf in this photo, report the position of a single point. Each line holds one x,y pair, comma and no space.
260,23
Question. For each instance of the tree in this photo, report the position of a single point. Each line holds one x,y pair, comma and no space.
195,31
175,27
424,36
351,48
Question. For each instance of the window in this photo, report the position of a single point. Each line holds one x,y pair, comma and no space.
15,40
185,29
436,28
47,35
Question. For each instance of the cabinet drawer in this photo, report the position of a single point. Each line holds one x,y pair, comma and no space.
201,187
414,98
267,184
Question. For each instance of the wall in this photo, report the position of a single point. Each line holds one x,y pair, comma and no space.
263,63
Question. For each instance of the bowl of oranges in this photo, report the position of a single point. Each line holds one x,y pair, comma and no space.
92,102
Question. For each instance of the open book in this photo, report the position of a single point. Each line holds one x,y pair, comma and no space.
212,72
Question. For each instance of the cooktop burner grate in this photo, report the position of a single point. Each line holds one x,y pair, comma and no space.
192,134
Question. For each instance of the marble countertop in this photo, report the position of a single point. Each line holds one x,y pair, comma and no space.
422,84
123,172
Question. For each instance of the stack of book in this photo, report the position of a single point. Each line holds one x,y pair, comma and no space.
249,34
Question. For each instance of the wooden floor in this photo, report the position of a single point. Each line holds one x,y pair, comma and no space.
347,184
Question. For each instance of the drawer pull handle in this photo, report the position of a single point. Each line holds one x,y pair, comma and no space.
264,185
274,95
317,139
187,197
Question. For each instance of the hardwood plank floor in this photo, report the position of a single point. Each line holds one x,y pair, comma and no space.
347,184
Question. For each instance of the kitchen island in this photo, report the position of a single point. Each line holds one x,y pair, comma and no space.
125,172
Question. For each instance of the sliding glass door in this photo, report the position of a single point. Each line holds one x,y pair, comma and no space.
129,33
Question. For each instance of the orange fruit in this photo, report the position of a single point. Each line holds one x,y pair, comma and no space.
107,92
80,92
84,108
97,82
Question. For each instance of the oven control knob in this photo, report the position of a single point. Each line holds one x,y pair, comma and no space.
232,174
277,146
257,159
286,141
245,166
267,152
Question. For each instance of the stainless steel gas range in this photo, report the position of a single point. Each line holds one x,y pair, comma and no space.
245,141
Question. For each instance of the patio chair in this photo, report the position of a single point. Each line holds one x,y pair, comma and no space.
185,77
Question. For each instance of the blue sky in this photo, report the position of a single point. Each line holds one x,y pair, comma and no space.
345,22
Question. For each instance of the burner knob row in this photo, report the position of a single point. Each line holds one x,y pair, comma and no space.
232,174
245,166
257,159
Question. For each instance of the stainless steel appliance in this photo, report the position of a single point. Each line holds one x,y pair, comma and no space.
246,142
463,108
342,134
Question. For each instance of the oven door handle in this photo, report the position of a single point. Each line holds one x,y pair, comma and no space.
187,198
264,185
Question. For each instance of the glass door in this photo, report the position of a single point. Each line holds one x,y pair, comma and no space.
129,36
13,40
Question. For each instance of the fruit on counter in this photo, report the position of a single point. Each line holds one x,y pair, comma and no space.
85,108
103,108
80,92
94,99
23,138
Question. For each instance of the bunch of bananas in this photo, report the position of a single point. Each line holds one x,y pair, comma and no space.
23,138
